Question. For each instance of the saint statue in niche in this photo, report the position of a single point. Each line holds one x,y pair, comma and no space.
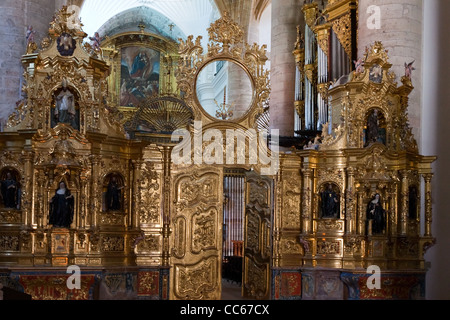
376,216
10,191
61,207
65,111
374,128
329,203
113,195
413,200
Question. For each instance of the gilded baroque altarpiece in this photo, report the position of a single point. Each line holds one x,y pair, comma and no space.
168,227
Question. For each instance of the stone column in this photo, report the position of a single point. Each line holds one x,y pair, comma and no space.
15,17
401,33
435,138
286,15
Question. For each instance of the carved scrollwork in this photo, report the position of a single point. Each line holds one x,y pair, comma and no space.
112,243
196,282
329,247
9,242
291,203
256,284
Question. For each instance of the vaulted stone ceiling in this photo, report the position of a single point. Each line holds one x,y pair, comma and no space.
191,16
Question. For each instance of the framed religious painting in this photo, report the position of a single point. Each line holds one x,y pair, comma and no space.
139,75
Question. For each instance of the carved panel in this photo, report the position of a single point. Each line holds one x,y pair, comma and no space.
54,287
112,219
10,216
149,195
113,243
196,189
253,230
291,246
258,192
257,235
330,226
256,276
291,203
197,225
204,234
197,281
150,243
180,237
9,242
148,283
327,247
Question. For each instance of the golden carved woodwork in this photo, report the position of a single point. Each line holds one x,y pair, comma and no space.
226,42
171,215
342,28
197,235
311,72
323,37
339,15
311,12
257,226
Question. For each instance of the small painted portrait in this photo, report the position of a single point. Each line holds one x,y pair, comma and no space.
66,44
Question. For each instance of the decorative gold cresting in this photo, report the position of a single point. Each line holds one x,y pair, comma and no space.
226,43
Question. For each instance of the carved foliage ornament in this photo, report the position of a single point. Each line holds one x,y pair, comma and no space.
343,30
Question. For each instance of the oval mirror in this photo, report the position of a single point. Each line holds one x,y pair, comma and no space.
224,90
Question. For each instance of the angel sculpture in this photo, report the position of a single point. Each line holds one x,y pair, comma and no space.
359,65
30,35
96,41
409,69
